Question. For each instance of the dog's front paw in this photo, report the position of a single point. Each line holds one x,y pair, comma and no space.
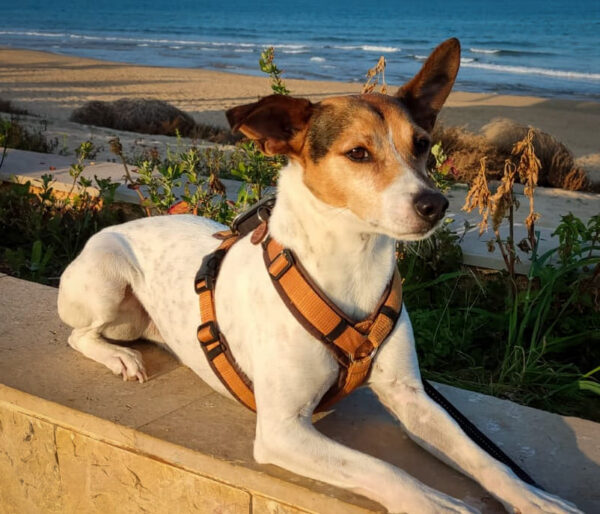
128,363
532,500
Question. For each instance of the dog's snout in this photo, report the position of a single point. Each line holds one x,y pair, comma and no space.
431,205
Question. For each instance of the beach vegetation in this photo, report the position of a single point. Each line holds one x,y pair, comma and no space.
6,106
14,134
148,116
558,167
44,228
267,65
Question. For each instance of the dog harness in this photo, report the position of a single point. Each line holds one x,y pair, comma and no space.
353,344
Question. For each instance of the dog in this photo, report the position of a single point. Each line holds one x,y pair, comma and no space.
355,183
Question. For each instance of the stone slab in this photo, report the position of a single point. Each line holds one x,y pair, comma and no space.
175,418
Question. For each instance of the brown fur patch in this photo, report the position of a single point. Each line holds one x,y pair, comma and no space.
343,123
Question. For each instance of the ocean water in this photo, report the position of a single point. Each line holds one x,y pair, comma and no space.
538,47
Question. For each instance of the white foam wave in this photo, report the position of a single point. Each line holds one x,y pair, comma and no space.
317,59
466,60
524,70
294,51
485,50
142,44
31,33
421,57
369,48
243,50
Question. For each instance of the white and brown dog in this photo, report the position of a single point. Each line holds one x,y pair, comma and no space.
355,183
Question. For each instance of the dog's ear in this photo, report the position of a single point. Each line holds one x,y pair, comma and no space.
277,123
425,94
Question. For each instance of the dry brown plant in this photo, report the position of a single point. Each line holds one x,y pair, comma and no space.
529,172
502,203
374,75
479,197
558,167
466,150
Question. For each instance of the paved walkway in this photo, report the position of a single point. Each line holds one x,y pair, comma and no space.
65,417
550,203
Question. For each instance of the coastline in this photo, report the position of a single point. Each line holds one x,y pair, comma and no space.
52,85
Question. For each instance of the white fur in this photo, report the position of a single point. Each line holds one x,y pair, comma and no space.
152,263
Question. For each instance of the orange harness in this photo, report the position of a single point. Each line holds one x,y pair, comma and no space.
353,344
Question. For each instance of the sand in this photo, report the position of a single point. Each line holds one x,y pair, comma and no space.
53,85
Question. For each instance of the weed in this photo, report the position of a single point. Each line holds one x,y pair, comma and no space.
268,66
374,75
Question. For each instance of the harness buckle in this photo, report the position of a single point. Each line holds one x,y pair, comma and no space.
213,333
204,283
352,359
289,262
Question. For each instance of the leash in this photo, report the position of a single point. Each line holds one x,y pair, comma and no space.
353,344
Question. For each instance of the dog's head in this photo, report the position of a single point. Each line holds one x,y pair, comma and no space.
366,153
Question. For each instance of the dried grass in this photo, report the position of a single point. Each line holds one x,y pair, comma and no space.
466,150
557,164
136,115
147,116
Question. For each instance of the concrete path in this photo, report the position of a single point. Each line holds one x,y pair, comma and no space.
550,203
176,418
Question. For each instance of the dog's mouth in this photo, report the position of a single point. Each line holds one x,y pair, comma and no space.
416,234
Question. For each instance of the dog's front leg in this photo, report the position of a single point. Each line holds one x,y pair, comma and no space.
286,437
397,382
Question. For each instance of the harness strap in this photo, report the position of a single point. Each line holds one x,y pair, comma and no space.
353,344
211,339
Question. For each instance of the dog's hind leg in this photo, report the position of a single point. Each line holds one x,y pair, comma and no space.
97,300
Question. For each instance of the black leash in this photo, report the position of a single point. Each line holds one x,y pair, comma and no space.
476,435
247,221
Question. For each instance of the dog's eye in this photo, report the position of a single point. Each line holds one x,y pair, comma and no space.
358,154
421,144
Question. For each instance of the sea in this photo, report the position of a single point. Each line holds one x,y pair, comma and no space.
547,48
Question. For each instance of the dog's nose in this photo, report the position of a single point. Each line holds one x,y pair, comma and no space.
431,205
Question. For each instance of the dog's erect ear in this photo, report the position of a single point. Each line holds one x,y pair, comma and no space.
276,123
425,94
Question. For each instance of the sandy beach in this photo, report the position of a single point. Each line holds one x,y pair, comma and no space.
52,85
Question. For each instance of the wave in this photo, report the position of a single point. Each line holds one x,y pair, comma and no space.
524,70
485,50
466,60
317,59
31,33
368,48
497,51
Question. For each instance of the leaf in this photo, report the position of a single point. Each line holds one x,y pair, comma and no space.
588,385
181,207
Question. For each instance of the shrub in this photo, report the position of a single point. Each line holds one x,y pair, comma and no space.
558,167
14,135
8,107
147,116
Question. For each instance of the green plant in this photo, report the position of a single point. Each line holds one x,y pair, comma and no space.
268,66
13,134
256,170
443,173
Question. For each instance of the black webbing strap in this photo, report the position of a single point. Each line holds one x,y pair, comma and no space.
476,435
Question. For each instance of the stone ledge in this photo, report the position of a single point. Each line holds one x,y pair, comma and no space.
176,436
